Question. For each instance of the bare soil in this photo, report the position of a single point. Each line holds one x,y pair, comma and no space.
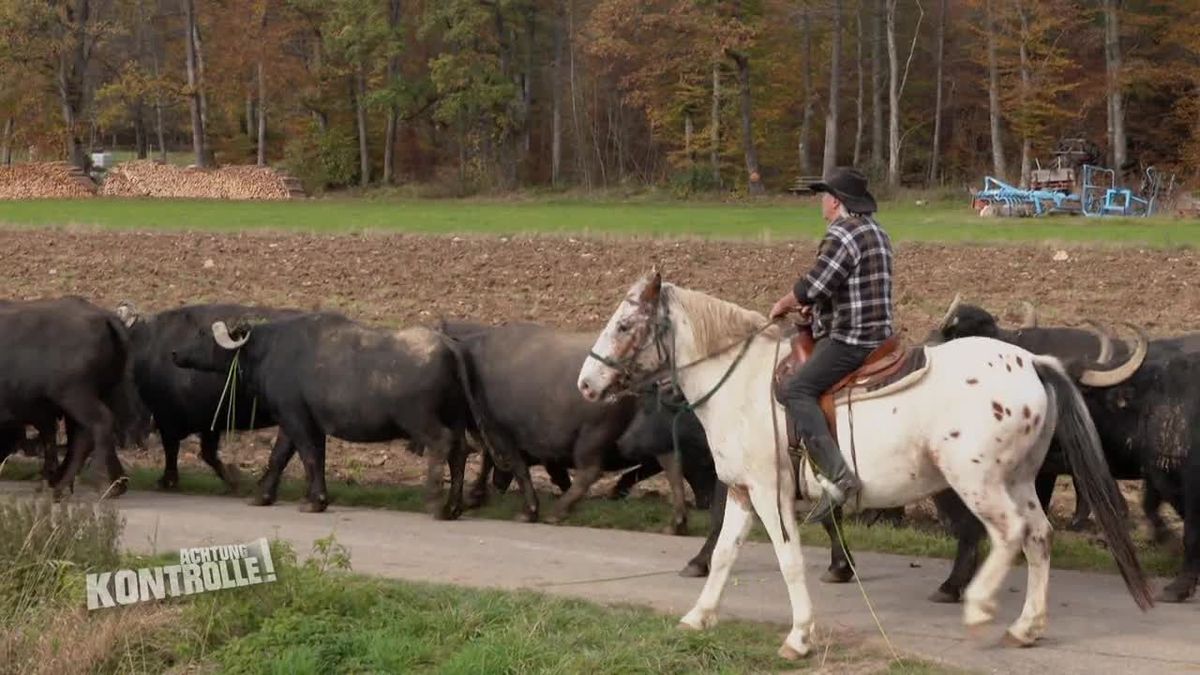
566,282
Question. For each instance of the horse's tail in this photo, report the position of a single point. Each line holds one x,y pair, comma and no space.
1076,433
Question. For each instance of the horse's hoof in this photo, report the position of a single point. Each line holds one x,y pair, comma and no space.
683,625
1010,640
313,507
790,653
837,575
693,570
944,597
978,632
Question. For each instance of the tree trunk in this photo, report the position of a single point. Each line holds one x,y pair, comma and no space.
360,110
835,75
556,97
1116,104
262,115
859,122
395,13
989,27
755,185
250,126
893,176
6,148
714,126
202,81
71,74
806,117
877,78
939,61
141,140
1023,51
580,158
198,144
158,116
688,130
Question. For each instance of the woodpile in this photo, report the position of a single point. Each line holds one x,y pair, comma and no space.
44,180
151,179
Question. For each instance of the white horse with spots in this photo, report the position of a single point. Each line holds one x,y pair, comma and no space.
979,420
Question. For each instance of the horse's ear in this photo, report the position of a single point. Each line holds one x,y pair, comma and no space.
653,286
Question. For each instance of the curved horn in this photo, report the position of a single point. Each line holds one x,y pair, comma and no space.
1106,348
1111,378
948,319
127,313
221,335
1029,319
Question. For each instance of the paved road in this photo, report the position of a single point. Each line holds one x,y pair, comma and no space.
1094,625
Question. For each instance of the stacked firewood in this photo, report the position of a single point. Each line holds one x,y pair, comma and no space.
44,180
152,179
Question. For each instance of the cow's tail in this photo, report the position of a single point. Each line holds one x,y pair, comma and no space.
1076,433
131,417
479,412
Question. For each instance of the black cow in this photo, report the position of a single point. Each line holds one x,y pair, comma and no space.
637,451
324,375
183,401
1146,425
66,358
523,376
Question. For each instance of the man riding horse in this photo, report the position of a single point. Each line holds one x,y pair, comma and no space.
848,294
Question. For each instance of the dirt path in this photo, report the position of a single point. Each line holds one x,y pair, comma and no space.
1094,625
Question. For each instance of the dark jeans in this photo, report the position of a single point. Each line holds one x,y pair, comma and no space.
801,393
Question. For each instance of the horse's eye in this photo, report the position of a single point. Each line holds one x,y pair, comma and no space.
622,328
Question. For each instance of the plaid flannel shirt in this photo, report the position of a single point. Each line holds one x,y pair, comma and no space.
850,287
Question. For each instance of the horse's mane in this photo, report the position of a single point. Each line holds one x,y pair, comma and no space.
717,323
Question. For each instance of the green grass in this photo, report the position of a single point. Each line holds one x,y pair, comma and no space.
773,219
321,618
650,514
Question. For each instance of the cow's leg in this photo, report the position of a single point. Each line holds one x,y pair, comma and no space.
698,566
840,560
969,531
674,469
49,447
1184,585
268,485
559,475
1030,625
520,472
1083,509
95,422
312,454
634,476
1154,492
446,446
210,443
478,495
585,476
170,443
732,534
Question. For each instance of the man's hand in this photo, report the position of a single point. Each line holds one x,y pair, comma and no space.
785,304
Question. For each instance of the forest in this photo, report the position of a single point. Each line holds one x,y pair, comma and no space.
696,95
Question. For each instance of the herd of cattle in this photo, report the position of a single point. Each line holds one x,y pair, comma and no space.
111,376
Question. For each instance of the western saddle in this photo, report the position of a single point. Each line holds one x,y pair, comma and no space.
890,362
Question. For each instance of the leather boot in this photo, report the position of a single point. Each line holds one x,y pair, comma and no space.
838,482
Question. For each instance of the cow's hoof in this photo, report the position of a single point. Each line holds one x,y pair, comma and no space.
1078,525
313,507
261,500
526,517
1177,591
1010,640
168,484
837,575
233,479
945,597
676,529
447,512
117,488
693,570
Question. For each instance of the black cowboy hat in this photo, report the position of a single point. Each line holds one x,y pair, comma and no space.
849,185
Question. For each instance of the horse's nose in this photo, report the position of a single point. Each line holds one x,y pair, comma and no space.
586,389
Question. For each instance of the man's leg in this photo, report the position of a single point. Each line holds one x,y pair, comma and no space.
830,362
